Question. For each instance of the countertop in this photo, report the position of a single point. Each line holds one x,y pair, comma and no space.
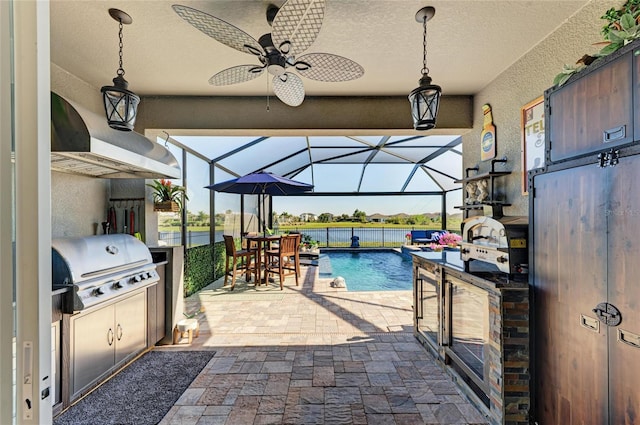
485,273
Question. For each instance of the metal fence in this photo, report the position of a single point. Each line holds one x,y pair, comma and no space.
328,237
175,238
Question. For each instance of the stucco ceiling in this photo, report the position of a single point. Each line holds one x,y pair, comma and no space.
469,43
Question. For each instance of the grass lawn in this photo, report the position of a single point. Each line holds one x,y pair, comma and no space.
452,224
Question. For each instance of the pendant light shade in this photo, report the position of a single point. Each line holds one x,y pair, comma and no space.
425,100
120,104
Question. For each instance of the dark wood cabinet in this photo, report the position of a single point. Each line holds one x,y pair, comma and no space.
623,290
586,232
585,255
593,112
569,234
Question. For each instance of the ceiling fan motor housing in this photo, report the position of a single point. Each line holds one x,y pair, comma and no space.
275,61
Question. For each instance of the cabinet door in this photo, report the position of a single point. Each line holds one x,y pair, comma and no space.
623,213
130,326
592,113
92,342
428,314
570,254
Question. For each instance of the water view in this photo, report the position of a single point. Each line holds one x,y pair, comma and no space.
368,270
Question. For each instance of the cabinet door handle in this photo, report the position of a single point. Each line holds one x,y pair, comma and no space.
110,336
614,134
418,300
629,338
590,323
119,335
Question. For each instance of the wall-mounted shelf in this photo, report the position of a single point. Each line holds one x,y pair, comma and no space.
486,196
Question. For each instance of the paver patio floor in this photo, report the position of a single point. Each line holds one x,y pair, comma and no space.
313,354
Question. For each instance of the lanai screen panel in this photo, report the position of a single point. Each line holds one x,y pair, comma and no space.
424,160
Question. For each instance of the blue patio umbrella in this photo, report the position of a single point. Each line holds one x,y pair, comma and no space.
261,183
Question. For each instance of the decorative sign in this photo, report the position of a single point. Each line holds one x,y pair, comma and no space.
532,119
488,135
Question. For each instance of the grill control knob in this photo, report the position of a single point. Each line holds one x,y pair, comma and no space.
117,285
137,278
97,292
502,259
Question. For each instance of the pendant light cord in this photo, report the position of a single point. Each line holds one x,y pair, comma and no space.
120,69
268,107
425,70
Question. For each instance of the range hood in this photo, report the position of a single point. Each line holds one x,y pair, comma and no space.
83,143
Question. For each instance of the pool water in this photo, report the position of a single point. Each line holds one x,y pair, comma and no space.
368,270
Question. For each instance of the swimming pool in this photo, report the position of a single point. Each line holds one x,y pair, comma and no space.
368,270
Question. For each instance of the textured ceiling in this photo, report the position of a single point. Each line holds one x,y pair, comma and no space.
469,43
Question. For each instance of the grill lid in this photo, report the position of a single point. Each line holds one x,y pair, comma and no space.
80,259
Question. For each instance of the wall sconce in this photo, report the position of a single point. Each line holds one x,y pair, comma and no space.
426,98
120,104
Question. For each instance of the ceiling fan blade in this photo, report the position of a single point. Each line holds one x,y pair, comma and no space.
219,30
328,67
297,24
289,88
235,75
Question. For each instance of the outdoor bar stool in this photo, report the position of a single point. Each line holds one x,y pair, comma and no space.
232,255
285,259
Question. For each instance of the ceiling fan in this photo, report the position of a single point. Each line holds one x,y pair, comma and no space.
295,27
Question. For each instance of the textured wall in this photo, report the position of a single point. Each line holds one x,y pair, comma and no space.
523,82
78,205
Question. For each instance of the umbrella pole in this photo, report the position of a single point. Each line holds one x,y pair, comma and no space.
264,217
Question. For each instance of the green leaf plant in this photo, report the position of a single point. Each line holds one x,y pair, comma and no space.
623,27
164,190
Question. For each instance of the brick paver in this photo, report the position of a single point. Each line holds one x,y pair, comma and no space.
313,355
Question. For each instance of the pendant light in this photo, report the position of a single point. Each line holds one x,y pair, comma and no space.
120,104
426,98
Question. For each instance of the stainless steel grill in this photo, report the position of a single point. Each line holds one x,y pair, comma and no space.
100,268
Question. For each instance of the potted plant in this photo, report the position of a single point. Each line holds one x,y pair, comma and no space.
447,241
167,196
622,27
308,244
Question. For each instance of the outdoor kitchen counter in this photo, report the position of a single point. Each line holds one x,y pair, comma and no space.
475,321
480,273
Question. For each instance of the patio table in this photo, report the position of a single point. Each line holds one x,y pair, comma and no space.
261,242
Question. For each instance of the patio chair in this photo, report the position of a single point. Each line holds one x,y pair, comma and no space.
285,259
246,263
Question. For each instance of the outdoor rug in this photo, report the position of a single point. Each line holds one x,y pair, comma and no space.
142,393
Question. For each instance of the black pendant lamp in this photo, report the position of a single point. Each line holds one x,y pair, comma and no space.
426,98
120,104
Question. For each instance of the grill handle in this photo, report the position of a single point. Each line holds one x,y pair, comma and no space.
110,336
